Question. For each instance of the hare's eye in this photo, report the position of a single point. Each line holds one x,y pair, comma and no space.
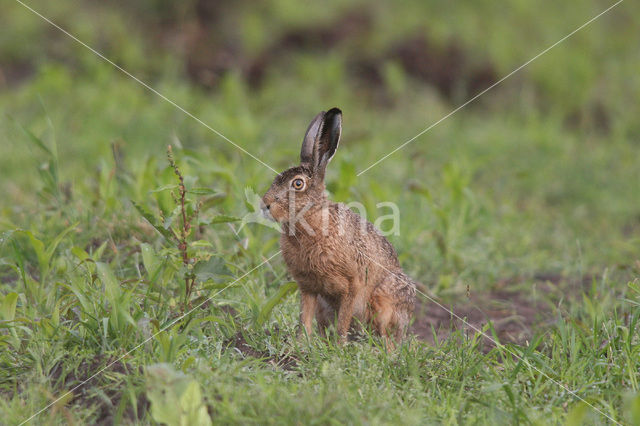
297,184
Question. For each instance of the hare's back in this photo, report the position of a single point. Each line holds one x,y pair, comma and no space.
363,240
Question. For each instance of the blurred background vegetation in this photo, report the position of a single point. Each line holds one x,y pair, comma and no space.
537,180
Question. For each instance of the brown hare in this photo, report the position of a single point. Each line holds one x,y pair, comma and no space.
344,267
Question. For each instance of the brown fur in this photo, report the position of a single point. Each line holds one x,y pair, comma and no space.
344,267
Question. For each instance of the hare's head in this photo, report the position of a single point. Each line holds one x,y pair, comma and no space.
298,188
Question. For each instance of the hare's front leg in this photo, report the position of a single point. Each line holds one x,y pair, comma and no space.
308,303
345,315
325,315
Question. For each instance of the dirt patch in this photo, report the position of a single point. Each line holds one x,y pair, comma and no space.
450,67
105,407
207,38
513,318
515,315
239,343
12,75
211,49
353,25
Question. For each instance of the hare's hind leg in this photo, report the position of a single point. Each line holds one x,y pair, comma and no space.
383,314
402,319
325,315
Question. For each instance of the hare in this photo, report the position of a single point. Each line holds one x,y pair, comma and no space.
343,266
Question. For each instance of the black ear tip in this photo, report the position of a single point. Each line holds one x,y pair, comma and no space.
334,111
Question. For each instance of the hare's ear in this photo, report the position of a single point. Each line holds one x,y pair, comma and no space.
327,141
309,141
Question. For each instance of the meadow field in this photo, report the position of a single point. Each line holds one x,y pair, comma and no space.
125,300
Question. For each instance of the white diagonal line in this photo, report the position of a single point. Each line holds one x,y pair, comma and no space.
498,344
149,338
145,85
491,87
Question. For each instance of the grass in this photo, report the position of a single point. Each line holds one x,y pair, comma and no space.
184,314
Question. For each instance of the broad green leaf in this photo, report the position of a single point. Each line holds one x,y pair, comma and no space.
215,268
577,414
165,188
215,286
176,213
212,200
55,315
152,220
108,279
201,243
43,254
194,409
38,247
56,241
8,306
150,259
218,219
202,191
176,399
633,407
82,298
97,254
80,253
252,200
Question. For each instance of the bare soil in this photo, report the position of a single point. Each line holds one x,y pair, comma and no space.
512,316
286,362
515,315
108,403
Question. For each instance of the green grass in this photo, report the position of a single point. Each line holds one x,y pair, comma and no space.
528,180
